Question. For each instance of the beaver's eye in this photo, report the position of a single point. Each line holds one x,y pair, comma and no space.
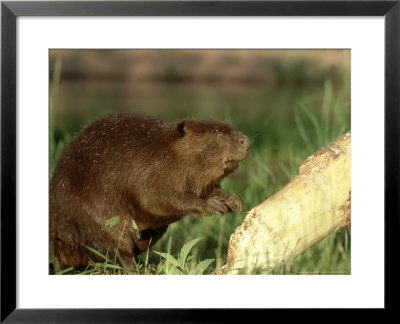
214,131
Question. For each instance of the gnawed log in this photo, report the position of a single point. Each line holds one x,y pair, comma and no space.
310,207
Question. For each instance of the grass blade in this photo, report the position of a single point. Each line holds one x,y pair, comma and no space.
169,258
99,254
185,251
203,265
315,123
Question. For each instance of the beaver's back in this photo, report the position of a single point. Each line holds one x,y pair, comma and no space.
94,178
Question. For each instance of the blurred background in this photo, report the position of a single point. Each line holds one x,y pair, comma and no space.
289,102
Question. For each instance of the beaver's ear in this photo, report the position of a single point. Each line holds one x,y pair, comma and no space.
182,128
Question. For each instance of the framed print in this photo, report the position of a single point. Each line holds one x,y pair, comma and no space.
214,105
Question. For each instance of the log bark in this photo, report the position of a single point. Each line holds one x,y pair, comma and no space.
311,206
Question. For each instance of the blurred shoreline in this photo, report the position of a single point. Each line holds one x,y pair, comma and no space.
210,67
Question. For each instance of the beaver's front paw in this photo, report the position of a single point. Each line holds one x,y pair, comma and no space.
234,203
215,206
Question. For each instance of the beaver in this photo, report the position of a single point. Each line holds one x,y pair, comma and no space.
138,168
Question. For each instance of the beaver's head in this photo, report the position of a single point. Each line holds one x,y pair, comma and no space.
211,144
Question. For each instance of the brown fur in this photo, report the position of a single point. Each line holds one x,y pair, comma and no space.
138,168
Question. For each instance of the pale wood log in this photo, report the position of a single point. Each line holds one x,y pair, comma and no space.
311,206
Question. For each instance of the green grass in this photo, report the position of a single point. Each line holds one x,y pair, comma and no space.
285,124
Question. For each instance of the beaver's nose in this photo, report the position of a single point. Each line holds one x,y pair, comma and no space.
244,141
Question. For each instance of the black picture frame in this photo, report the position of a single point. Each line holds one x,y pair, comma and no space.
10,10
